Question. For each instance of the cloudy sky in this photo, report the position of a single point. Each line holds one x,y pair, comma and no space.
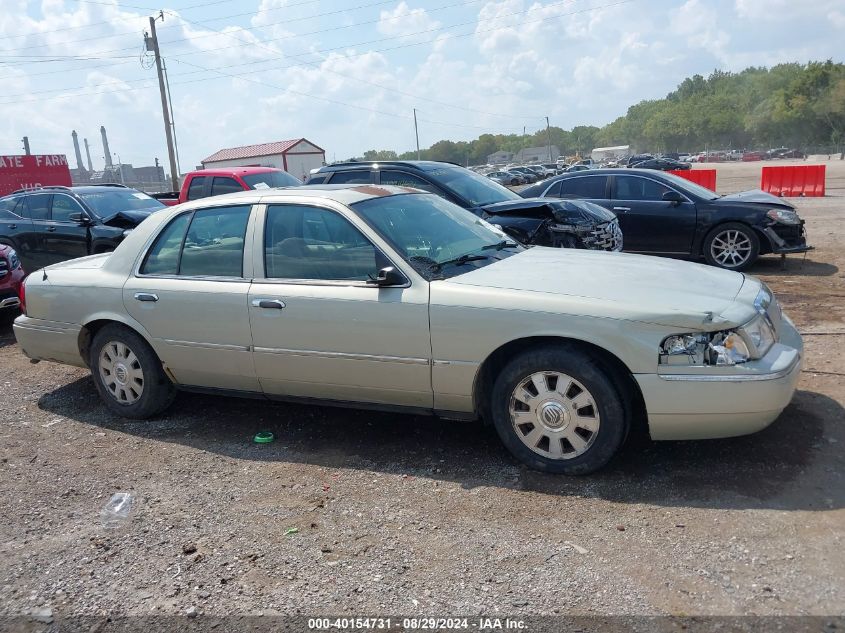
346,74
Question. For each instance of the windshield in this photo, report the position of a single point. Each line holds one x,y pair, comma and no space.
430,233
476,189
108,202
685,185
271,179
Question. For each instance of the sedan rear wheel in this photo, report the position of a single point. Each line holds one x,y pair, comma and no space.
732,246
557,410
128,374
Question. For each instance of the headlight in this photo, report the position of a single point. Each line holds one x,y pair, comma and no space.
783,216
758,335
14,261
728,347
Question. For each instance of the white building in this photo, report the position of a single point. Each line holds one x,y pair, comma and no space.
610,153
297,157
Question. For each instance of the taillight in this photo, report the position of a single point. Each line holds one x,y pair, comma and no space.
22,295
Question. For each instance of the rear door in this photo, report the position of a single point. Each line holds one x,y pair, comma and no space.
649,224
196,188
190,294
38,205
61,238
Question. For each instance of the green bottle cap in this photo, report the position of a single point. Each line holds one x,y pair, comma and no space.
265,437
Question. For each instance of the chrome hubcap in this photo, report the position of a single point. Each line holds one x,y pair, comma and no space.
731,248
121,372
554,415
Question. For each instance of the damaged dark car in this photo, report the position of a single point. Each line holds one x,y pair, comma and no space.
540,221
48,225
663,214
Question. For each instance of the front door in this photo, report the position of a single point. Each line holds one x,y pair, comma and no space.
190,295
319,330
649,224
62,238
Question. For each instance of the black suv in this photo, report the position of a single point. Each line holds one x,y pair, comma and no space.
538,221
51,224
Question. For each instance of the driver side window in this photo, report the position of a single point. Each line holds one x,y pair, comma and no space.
302,242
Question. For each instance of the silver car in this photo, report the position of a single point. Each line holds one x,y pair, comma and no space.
392,298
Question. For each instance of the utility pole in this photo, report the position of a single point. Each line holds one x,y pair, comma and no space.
172,116
152,41
549,139
25,140
417,133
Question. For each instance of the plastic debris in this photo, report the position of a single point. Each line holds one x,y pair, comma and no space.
290,531
265,437
115,514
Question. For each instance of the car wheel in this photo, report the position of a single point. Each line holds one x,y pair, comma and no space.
733,246
128,374
556,410
514,182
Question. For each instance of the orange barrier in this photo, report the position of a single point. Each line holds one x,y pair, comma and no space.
800,180
703,177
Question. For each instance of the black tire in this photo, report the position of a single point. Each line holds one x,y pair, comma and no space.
746,237
514,182
587,372
156,391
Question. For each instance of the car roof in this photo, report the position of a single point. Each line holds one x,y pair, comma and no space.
344,194
422,165
228,171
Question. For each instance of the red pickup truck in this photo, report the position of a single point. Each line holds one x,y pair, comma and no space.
214,182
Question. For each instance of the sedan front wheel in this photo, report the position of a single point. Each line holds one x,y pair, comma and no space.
732,246
556,410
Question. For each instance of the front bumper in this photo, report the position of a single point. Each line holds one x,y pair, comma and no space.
703,403
785,239
10,289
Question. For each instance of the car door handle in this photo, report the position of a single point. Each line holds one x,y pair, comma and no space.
146,296
622,209
13,226
272,304
51,229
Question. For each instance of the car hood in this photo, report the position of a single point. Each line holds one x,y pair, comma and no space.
631,287
134,217
757,196
563,210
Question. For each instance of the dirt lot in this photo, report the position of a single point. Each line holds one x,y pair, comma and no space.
403,515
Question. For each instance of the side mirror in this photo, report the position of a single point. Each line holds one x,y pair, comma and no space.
387,276
673,196
79,218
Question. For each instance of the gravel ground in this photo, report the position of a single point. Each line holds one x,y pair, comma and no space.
353,512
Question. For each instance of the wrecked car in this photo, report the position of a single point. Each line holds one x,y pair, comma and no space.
538,222
662,214
48,225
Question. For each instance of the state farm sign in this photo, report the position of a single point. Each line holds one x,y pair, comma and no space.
28,172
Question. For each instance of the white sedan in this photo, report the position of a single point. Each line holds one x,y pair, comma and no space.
391,298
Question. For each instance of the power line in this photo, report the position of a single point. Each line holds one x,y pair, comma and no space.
241,76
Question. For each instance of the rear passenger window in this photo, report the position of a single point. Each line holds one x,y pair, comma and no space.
39,205
401,179
196,189
359,176
219,186
554,191
584,187
214,245
163,258
207,243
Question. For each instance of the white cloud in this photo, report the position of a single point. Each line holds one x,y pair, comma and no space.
403,21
